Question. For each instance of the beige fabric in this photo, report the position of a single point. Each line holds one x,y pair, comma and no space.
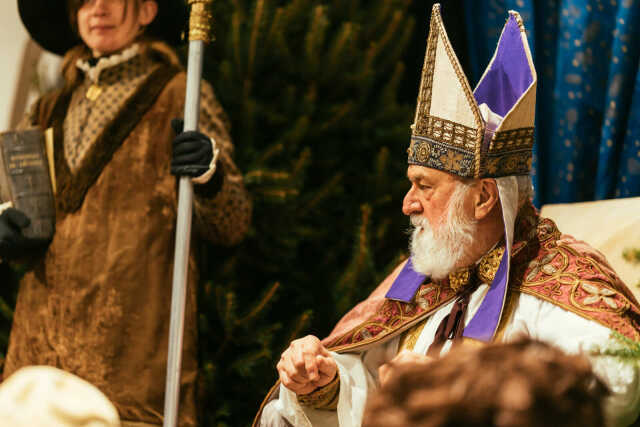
448,97
523,113
46,396
611,226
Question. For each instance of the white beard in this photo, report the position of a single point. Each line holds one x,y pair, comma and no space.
436,253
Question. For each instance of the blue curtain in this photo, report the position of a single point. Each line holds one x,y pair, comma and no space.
587,55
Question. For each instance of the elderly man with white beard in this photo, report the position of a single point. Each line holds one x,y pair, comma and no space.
484,266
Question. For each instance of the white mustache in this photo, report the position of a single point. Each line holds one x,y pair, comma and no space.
418,221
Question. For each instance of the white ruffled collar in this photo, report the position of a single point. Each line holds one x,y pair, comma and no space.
93,72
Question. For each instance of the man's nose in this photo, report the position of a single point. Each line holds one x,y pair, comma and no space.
411,205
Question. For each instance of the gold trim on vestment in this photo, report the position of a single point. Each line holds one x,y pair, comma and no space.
409,339
325,397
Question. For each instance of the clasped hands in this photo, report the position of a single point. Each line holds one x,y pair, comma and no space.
307,365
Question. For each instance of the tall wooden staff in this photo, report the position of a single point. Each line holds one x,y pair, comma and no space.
199,30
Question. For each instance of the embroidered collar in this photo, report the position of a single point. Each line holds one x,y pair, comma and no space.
93,71
489,264
408,281
484,269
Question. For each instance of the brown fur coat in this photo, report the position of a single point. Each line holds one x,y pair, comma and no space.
97,304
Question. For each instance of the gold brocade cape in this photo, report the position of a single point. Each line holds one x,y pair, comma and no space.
544,263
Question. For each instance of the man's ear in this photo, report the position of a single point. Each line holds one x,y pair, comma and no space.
148,12
487,197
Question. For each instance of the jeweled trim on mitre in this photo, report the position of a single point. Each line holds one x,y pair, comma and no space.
437,155
450,141
510,153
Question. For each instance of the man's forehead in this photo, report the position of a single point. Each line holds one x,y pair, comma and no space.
423,172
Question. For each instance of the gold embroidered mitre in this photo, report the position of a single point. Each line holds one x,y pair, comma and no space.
484,133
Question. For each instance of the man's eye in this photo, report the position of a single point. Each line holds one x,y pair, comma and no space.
424,187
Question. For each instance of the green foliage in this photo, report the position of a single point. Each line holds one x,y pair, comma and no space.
620,347
633,256
311,90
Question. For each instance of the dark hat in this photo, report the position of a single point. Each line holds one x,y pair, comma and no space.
47,21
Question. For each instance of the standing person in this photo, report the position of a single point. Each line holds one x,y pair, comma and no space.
97,303
484,266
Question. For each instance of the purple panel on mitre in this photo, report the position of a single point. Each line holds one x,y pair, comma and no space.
486,320
509,74
406,285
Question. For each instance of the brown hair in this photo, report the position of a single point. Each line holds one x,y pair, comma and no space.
521,384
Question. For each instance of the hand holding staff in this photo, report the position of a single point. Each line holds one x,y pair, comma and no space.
199,29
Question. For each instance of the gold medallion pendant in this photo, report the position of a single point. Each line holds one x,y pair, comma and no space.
93,92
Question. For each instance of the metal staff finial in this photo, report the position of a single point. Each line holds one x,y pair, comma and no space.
200,20
199,30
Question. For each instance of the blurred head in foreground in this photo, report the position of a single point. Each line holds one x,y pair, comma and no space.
520,384
46,396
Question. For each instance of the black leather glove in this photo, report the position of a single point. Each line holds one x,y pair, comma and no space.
191,151
13,244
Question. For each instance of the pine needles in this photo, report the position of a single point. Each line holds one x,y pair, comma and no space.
311,88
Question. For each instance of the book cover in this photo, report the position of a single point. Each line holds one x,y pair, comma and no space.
25,180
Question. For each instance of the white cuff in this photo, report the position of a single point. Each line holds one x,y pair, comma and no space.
205,177
4,206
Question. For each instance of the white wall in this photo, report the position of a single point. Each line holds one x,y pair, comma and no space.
39,74
13,39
